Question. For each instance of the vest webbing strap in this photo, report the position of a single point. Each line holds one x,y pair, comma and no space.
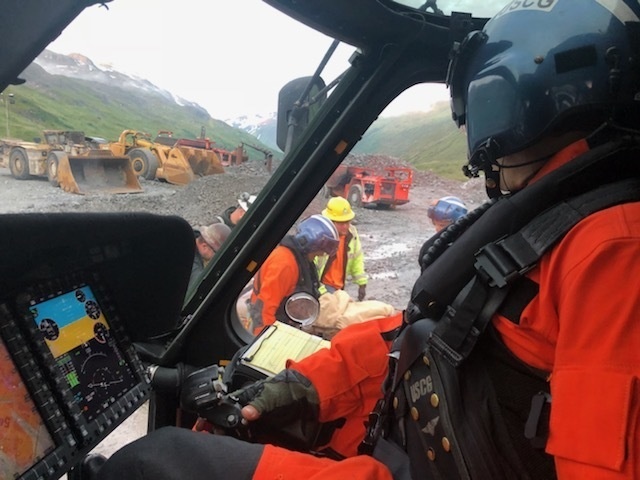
307,274
441,282
501,263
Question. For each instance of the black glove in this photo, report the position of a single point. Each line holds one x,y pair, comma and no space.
288,405
282,399
362,292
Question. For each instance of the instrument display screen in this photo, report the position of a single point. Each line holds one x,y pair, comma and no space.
24,438
87,355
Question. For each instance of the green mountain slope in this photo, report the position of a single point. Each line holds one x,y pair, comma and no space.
428,141
56,102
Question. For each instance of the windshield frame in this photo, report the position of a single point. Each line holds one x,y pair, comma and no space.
381,70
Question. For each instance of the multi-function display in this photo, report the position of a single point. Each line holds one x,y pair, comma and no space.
68,376
87,355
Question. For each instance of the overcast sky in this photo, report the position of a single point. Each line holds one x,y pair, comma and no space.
230,56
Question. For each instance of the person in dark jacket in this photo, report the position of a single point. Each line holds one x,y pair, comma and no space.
208,240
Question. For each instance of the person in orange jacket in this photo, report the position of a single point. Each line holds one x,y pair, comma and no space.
348,261
518,352
290,269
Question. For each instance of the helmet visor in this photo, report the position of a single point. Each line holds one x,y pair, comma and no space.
328,245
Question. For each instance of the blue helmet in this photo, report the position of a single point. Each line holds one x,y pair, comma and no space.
447,209
541,67
317,234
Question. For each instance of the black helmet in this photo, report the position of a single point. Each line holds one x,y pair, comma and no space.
544,66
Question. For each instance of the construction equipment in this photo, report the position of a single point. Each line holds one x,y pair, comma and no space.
268,155
151,159
226,157
384,187
71,161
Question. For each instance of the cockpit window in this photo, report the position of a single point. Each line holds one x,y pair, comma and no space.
480,9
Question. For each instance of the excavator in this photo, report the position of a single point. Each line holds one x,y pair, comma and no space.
94,322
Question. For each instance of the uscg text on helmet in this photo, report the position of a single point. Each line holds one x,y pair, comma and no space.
541,5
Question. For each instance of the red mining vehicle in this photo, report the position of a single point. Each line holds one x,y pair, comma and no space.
380,187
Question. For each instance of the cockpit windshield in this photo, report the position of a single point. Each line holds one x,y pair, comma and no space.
480,9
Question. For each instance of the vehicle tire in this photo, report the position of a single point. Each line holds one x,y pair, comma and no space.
53,161
385,206
19,164
143,162
355,195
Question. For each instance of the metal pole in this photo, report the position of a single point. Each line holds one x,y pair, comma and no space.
12,100
6,109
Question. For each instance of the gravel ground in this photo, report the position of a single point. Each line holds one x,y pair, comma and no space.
391,239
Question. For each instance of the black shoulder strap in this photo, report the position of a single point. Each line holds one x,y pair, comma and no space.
500,264
503,261
308,275
438,284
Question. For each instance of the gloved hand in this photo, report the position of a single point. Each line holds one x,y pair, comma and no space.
279,400
362,292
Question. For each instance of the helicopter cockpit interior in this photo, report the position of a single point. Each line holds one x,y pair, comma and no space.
87,301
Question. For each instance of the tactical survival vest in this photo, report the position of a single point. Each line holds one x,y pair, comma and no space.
457,401
307,277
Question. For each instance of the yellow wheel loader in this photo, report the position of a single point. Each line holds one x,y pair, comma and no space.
176,164
70,161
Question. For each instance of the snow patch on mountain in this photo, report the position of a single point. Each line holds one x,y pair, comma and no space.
261,126
81,67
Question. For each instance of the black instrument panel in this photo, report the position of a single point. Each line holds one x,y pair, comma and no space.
77,293
71,375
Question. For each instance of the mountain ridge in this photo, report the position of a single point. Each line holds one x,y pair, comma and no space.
72,92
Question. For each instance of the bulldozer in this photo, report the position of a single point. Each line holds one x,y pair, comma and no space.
176,164
71,161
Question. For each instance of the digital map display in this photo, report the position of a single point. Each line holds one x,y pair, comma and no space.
87,355
24,439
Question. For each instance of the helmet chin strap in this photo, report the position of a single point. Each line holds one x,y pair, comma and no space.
525,182
486,159
524,164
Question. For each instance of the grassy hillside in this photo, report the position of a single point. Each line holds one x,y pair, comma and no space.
55,102
428,141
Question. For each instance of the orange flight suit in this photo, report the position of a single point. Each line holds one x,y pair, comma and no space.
348,378
583,327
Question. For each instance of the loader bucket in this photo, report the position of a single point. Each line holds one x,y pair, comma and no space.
175,169
98,172
202,162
